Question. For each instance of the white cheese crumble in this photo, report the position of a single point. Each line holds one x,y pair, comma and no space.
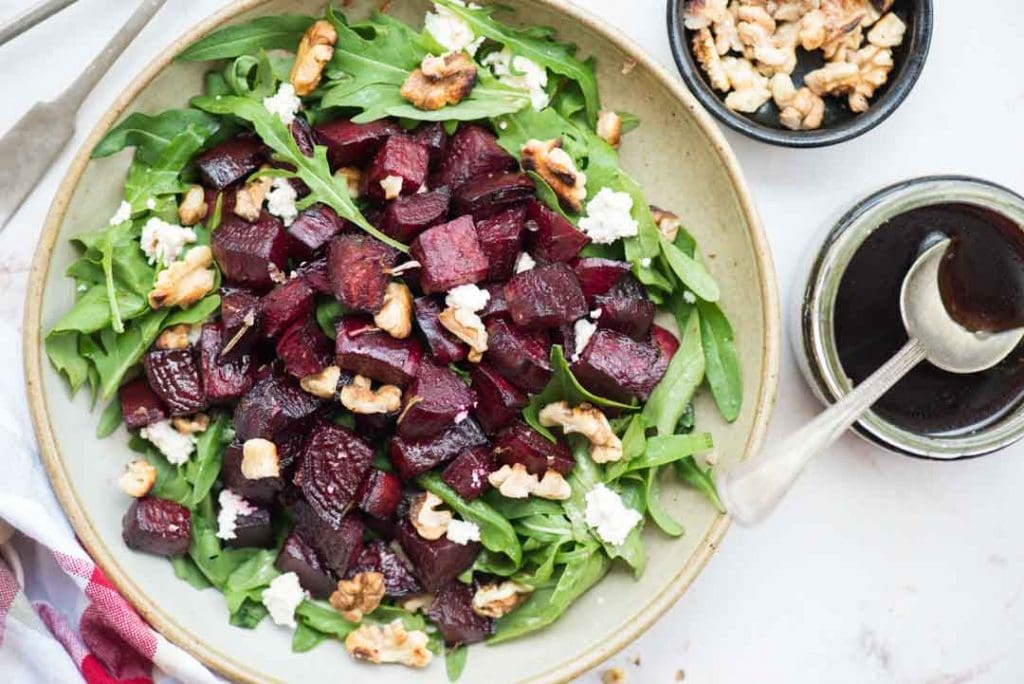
123,213
520,72
164,242
608,516
231,507
608,217
596,313
151,204
689,297
645,262
450,31
281,200
582,330
282,597
462,532
171,443
525,262
285,103
468,297
392,186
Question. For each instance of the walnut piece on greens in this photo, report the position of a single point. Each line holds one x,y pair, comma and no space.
440,81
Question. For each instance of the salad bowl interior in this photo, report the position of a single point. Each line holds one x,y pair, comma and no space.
682,162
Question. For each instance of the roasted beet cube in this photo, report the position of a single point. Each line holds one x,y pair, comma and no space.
157,526
399,157
467,474
615,366
352,144
436,399
443,346
305,349
665,341
173,376
276,404
140,405
501,238
496,304
246,251
472,152
315,226
317,275
290,301
545,297
362,348
379,494
626,308
597,276
432,136
253,530
399,579
487,195
337,543
224,380
359,267
408,216
522,358
555,239
499,401
436,563
519,443
412,457
564,336
303,135
230,161
240,321
261,491
375,426
452,612
334,463
449,255
299,557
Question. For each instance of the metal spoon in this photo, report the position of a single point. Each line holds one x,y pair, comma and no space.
752,490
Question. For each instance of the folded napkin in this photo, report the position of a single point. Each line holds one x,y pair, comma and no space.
60,618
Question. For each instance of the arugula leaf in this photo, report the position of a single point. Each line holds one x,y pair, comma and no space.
110,419
689,472
113,355
63,352
251,76
683,376
151,135
278,32
721,366
204,467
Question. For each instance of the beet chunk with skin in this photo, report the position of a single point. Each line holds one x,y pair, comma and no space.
374,426
299,557
157,526
140,406
449,256
224,380
412,457
290,301
305,349
402,157
317,275
626,308
338,544
452,612
399,579
276,404
315,226
596,276
496,304
334,463
436,399
617,367
499,401
517,355
173,376
501,239
665,341
432,136
408,216
519,443
472,152
467,474
379,494
545,297
436,563
352,144
443,346
487,195
359,267
362,348
253,530
240,321
555,239
261,491
230,161
246,251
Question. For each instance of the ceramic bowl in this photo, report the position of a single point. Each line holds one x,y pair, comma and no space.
683,163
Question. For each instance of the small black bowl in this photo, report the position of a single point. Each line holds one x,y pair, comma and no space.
841,124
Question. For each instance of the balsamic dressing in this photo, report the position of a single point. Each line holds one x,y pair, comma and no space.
982,285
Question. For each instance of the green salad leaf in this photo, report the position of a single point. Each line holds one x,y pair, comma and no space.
721,364
278,32
683,376
151,135
455,662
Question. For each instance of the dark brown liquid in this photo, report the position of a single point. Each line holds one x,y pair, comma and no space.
982,282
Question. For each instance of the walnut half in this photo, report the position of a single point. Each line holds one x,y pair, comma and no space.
358,596
192,209
314,52
586,420
138,478
360,397
497,600
389,644
440,81
468,327
430,523
185,282
549,161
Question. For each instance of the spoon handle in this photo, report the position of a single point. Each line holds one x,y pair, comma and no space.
751,490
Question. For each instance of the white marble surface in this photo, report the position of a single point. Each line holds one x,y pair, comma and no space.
878,568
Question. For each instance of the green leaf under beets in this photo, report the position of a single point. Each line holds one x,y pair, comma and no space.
278,32
677,386
151,135
170,479
655,509
455,662
110,419
381,100
114,354
721,365
666,449
186,569
204,467
634,443
306,638
688,471
691,272
62,350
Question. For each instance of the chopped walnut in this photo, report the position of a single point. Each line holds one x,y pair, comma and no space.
888,32
609,127
588,421
726,33
389,644
513,481
175,337
440,81
360,397
843,30
498,600
800,110
260,459
138,478
750,89
873,67
549,161
552,486
793,10
468,327
353,179
323,384
417,603
774,52
707,55
185,282
358,596
249,198
276,274
835,78
698,14
314,52
392,186
191,425
430,523
812,30
668,223
395,316
192,209
841,48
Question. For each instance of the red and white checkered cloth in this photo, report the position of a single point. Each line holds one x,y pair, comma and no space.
60,618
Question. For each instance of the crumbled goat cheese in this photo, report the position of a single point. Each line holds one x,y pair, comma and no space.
462,532
689,297
285,103
171,443
281,201
151,204
282,597
392,186
595,313
232,507
608,516
582,330
468,297
608,217
645,262
519,72
451,32
123,213
164,242
525,262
